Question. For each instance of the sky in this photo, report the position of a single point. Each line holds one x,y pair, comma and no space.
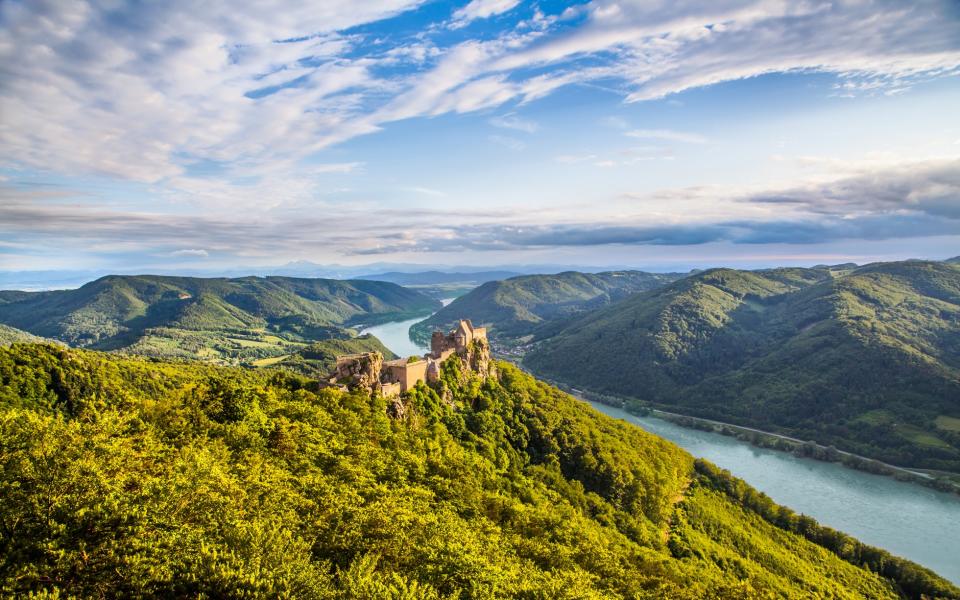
653,134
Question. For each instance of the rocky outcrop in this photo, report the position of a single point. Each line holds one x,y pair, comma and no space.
478,357
359,370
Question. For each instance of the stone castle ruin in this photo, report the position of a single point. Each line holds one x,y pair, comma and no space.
392,378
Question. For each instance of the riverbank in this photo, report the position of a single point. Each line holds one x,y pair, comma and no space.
940,481
908,520
766,439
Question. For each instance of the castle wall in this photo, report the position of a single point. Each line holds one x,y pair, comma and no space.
407,374
389,390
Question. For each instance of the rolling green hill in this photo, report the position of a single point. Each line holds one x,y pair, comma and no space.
866,359
233,320
520,306
135,478
9,335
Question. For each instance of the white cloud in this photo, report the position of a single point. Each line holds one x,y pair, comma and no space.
425,191
191,253
667,135
512,121
481,9
141,91
664,48
130,91
507,142
349,167
914,199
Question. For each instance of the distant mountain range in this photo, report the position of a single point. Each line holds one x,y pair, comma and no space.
521,306
442,285
865,358
242,319
383,271
401,273
440,277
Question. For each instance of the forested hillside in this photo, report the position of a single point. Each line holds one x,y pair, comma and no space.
231,320
319,358
9,335
866,359
520,306
128,477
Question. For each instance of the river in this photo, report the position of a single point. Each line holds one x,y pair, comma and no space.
912,521
395,335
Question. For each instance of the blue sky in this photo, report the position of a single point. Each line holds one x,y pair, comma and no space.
487,132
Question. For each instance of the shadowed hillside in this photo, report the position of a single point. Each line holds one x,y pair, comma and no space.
867,360
520,306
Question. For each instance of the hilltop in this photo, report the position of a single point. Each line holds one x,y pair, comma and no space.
520,306
122,476
242,319
866,359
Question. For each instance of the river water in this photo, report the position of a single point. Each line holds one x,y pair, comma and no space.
907,519
396,335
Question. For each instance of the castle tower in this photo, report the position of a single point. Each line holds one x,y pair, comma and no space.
463,335
437,344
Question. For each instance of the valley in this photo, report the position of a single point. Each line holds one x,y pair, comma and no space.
914,521
824,491
480,300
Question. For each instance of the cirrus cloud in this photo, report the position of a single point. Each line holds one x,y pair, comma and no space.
141,90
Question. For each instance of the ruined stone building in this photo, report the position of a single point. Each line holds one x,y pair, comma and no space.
391,378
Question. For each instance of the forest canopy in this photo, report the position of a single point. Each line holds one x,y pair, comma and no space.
135,477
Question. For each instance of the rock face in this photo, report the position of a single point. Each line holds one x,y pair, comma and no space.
359,370
478,357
